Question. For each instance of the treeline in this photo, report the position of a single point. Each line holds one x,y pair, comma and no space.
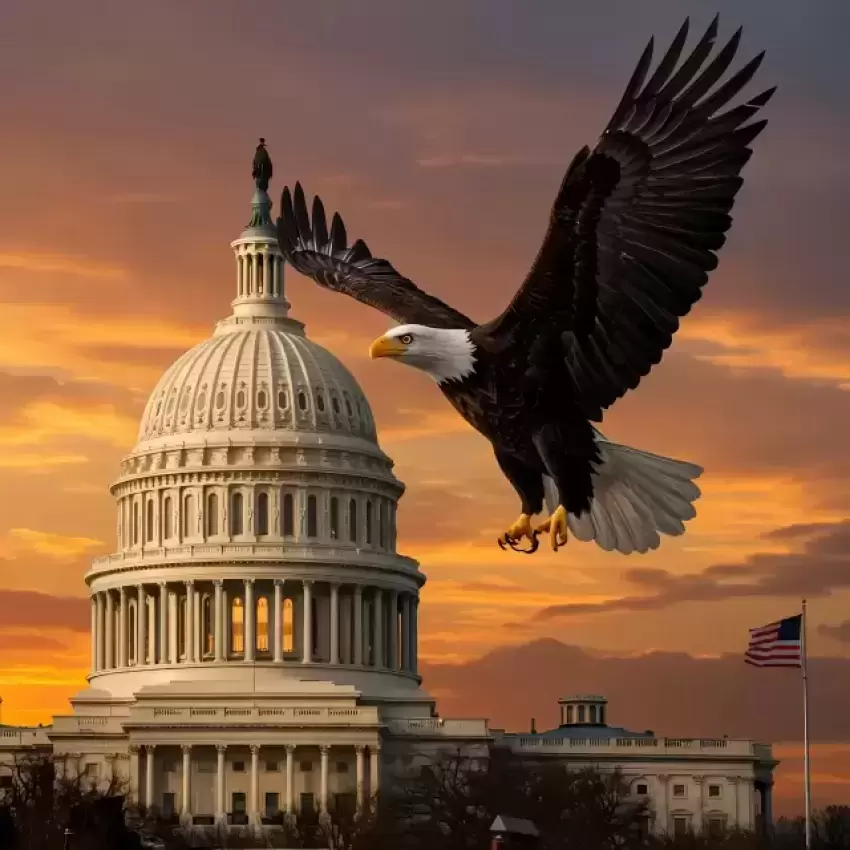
449,805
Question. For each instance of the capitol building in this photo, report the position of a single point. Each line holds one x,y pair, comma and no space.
254,636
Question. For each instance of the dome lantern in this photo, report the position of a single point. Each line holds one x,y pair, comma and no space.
259,262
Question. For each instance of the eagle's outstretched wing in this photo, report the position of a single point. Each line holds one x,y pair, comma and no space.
636,224
326,257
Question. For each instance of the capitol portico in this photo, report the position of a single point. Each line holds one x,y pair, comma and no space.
254,637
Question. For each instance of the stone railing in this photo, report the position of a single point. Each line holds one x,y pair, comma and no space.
12,738
253,715
633,747
276,552
439,727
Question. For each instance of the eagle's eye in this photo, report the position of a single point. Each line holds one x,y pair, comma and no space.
406,339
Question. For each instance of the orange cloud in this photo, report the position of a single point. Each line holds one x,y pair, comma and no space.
49,544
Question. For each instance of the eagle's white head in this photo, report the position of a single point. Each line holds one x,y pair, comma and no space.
444,353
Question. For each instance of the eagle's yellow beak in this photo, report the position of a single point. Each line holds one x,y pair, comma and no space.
386,347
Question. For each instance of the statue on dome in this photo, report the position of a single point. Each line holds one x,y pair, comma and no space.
262,170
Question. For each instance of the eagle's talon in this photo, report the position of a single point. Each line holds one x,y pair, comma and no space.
515,533
556,527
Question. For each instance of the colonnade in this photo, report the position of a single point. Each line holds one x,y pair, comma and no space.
248,620
146,792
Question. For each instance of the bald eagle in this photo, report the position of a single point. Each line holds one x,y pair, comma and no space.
632,236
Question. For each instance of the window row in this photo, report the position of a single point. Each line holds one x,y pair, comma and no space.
368,521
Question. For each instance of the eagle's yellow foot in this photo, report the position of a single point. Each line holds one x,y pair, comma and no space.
515,533
557,528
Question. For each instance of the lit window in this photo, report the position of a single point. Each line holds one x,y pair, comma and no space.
237,637
288,641
262,624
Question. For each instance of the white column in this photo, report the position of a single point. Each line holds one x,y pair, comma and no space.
197,620
123,642
220,814
405,632
278,620
149,774
358,625
359,751
134,774
374,769
249,620
334,623
189,630
287,797
377,631
414,641
254,804
163,622
392,661
110,631
172,627
141,627
307,600
324,749
185,797
698,821
94,633
218,620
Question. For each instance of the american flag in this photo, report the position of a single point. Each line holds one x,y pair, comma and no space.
777,644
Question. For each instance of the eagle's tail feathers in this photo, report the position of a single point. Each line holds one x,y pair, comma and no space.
637,496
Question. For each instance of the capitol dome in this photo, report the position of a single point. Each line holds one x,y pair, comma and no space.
256,516
257,379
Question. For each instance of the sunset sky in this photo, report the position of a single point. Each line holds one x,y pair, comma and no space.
441,131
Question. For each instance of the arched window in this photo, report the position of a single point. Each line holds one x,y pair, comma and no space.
135,523
288,518
181,629
262,624
237,519
237,632
263,513
312,517
149,521
166,510
352,520
207,634
334,517
212,515
188,511
288,626
133,634
379,522
314,624
368,521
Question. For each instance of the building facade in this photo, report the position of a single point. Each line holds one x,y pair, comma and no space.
254,636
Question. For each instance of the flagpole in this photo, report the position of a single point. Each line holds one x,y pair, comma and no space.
806,763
